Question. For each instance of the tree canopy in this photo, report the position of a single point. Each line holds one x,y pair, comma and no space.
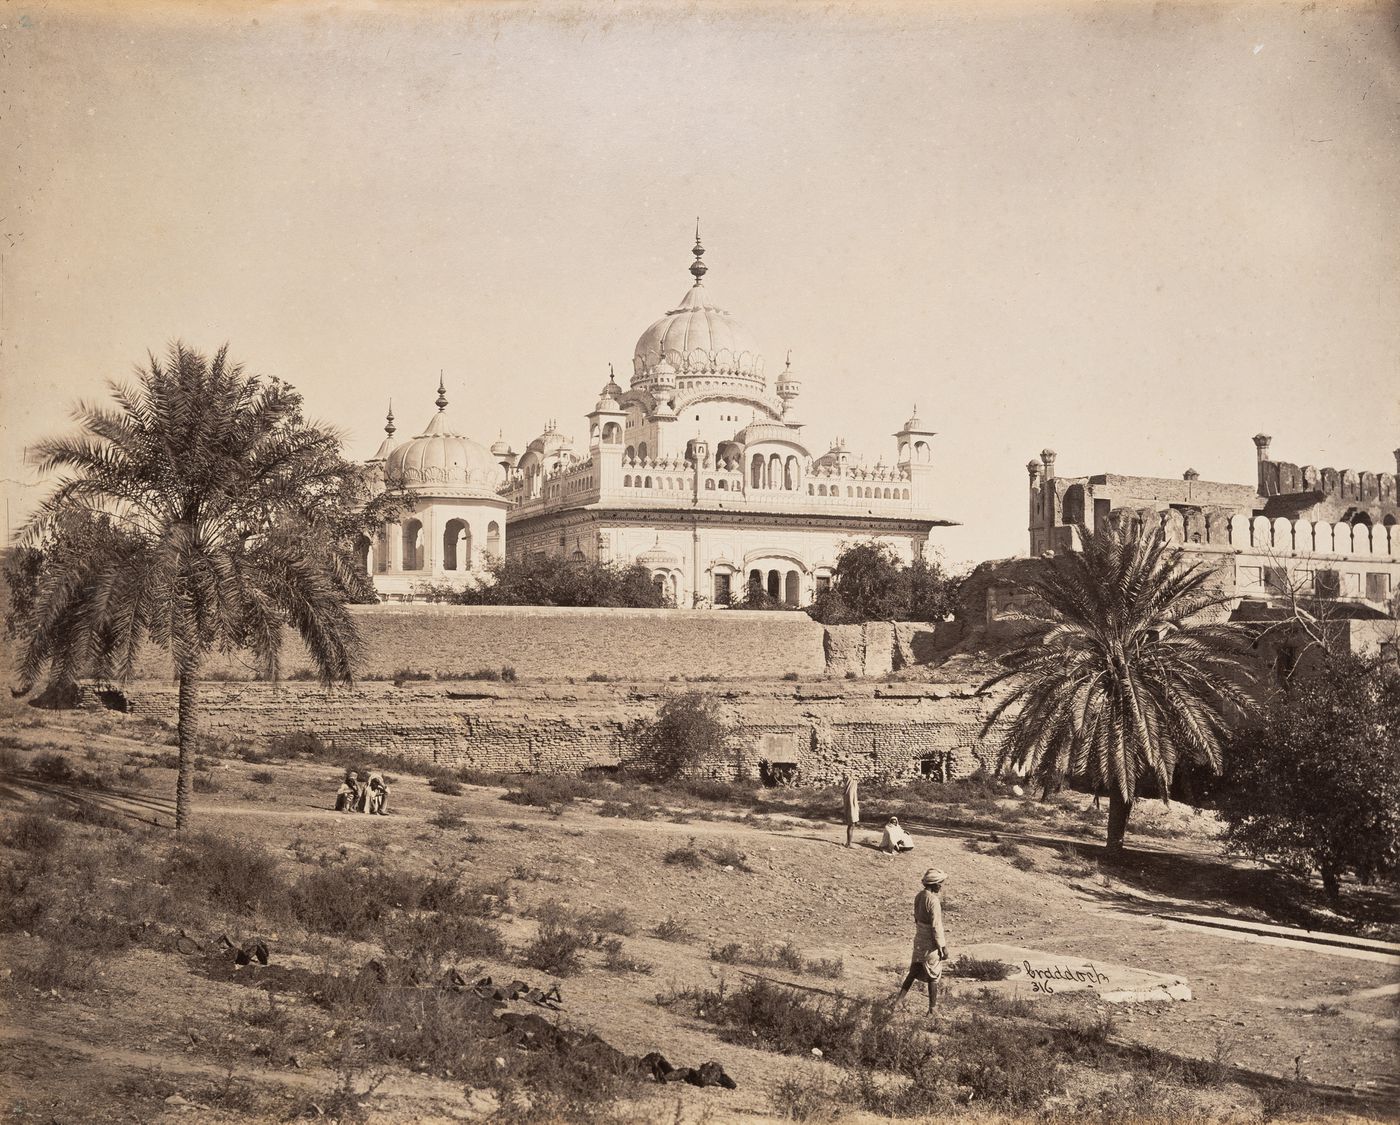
1315,783
200,513
1120,675
557,580
872,583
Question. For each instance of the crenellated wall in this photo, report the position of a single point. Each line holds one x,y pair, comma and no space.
1283,478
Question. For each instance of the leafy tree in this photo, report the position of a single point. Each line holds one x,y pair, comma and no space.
931,592
202,513
869,577
1120,677
689,731
556,580
873,584
1315,784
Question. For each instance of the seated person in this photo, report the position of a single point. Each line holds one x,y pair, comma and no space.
347,797
895,838
376,794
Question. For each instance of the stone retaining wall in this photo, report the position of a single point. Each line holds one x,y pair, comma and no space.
886,731
556,643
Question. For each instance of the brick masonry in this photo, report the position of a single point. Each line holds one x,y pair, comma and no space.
888,730
556,643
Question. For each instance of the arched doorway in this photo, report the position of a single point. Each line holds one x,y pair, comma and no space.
493,539
775,585
456,546
792,590
413,545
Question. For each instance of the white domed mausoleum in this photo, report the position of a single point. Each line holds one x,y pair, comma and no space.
699,471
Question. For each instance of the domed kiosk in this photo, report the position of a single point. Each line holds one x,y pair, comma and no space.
455,520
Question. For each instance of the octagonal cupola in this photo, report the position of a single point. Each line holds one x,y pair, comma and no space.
442,461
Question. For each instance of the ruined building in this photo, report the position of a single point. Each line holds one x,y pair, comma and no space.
1305,531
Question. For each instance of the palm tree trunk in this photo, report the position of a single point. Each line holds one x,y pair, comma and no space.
185,729
1119,807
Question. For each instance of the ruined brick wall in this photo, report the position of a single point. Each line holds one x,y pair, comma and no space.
557,643
888,731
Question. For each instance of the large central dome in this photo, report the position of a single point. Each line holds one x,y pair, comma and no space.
697,337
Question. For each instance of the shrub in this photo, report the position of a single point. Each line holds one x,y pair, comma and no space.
548,791
207,783
301,744
727,854
33,832
445,784
262,777
554,950
976,968
689,731
448,820
226,873
10,762
614,960
672,929
688,856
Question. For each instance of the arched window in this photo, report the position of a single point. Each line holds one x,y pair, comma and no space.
906,494
413,545
755,581
724,486
648,482
630,453
612,433
791,474
710,483
627,481
792,592
757,481
642,450
456,546
775,471
775,585
1072,506
493,539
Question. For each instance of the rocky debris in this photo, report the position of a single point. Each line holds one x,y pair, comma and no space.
516,990
530,1031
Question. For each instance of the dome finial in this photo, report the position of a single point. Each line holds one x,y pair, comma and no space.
787,364
697,267
389,420
442,392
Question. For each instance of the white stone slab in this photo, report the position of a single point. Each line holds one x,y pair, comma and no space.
1037,973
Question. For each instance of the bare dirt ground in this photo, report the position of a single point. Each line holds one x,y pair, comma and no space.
158,1024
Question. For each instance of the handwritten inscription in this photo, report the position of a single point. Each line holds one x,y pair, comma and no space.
1044,979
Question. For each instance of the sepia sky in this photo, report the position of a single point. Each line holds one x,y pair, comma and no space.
1136,233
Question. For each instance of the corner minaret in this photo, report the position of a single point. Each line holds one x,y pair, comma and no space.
916,458
789,386
606,425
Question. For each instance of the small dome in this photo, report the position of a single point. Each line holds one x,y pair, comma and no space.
657,557
443,462
501,448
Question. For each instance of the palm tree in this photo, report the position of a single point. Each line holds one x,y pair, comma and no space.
202,513
1121,676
